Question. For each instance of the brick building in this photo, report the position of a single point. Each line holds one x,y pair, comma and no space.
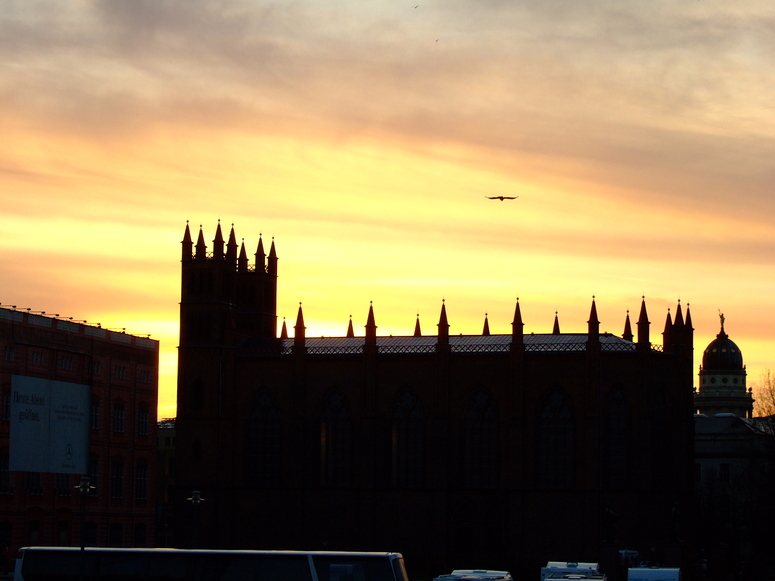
496,451
122,371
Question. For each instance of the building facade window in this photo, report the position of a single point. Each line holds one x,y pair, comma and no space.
117,478
95,414
33,532
118,417
143,416
9,353
618,461
407,442
37,358
661,448
141,480
480,442
66,362
724,473
93,367
335,442
119,372
556,457
264,442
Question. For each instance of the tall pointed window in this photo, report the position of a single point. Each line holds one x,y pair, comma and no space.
661,451
117,478
143,417
556,442
618,461
480,443
118,417
335,442
407,442
264,442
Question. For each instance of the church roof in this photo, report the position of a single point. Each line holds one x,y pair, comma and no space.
537,343
722,354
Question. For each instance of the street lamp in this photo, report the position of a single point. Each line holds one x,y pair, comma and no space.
84,487
196,499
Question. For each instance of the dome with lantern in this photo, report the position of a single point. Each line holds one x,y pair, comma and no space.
722,379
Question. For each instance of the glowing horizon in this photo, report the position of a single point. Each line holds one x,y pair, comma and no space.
364,139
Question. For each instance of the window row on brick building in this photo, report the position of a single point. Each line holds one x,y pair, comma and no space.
73,364
117,484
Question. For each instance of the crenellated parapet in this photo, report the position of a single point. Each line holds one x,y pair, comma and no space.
223,296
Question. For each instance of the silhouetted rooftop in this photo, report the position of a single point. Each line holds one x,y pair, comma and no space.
567,342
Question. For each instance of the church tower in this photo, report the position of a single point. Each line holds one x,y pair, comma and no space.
224,299
722,379
225,302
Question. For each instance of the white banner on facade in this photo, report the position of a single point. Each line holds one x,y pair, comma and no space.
49,426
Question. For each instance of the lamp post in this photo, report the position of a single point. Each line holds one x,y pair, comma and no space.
84,487
196,499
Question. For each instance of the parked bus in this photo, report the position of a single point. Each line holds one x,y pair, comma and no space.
101,564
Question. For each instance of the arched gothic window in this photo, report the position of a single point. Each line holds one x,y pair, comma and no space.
480,452
661,451
264,442
618,461
556,441
335,442
407,442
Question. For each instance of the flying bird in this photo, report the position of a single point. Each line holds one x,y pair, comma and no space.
501,198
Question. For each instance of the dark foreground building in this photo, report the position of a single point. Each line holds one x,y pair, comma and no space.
497,451
122,371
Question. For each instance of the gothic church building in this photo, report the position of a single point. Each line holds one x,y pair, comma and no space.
477,451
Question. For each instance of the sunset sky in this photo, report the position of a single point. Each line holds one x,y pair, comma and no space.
364,135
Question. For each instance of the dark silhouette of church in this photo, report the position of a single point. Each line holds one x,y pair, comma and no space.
470,451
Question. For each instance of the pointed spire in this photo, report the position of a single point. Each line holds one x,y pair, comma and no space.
300,335
443,326
417,332
218,242
231,248
679,317
271,266
556,328
188,244
643,324
667,334
593,333
627,335
517,326
688,329
260,256
350,331
371,327
242,262
201,247
486,329
284,332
